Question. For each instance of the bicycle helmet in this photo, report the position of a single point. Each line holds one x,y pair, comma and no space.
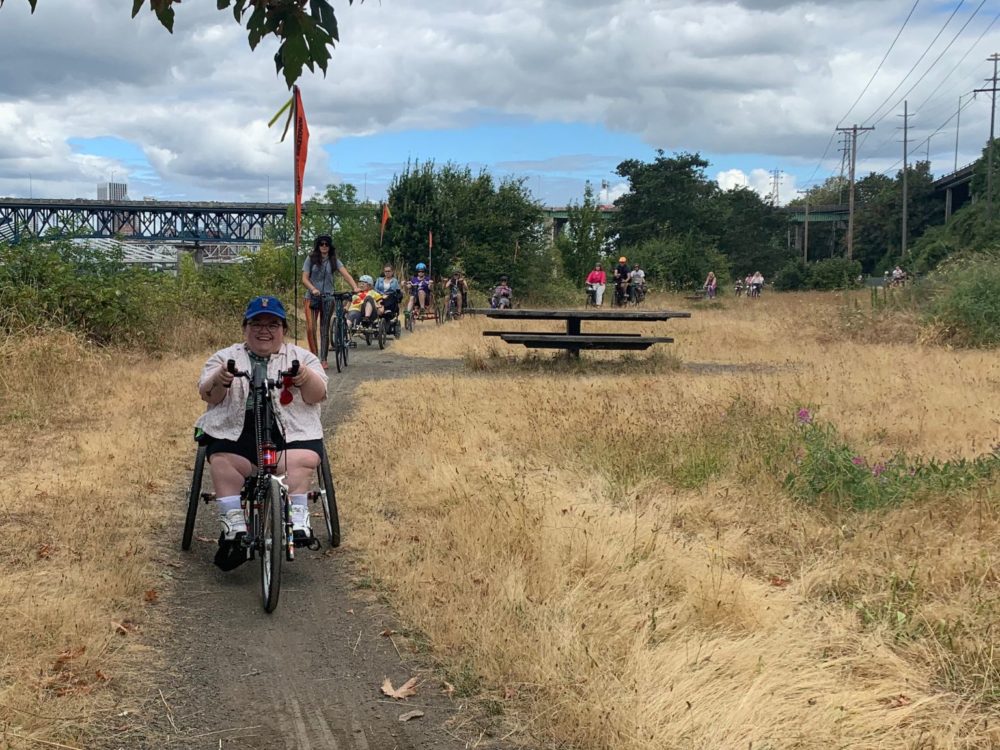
421,266
366,279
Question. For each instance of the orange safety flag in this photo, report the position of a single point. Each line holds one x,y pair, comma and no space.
385,220
301,151
430,239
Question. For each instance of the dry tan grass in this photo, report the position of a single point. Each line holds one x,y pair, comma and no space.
607,603
100,441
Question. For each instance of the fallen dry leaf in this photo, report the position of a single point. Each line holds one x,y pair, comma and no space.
897,701
350,611
447,688
405,690
411,715
67,656
102,676
152,596
44,552
124,628
387,632
205,539
779,581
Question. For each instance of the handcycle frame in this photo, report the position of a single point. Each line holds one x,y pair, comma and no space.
264,497
431,311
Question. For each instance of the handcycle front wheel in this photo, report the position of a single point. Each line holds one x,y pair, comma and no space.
381,333
272,541
194,495
329,498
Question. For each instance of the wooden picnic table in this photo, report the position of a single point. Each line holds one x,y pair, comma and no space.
574,340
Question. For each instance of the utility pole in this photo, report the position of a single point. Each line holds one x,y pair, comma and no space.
994,58
805,240
906,164
853,130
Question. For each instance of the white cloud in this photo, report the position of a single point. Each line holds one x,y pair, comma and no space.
765,77
761,181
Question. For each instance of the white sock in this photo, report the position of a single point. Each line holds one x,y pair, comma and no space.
299,499
228,503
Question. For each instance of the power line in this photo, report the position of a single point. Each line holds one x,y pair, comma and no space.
884,57
919,60
959,63
936,61
938,130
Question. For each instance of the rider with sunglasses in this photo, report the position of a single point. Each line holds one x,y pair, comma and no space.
317,276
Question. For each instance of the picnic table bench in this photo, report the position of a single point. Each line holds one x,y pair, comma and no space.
574,339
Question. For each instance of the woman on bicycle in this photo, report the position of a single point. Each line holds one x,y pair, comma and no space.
317,276
596,281
231,434
458,291
388,286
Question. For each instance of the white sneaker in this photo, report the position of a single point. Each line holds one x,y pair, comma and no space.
233,523
300,519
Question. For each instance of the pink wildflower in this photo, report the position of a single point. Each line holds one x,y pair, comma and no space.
878,469
858,460
804,417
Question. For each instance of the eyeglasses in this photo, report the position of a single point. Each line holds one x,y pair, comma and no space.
273,325
387,271
324,244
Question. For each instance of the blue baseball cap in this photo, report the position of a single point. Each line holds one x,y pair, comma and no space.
265,306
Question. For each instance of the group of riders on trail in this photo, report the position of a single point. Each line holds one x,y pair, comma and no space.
630,284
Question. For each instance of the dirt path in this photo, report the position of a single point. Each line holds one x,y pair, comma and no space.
304,678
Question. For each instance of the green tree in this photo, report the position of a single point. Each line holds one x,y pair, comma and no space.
680,262
670,195
751,232
583,242
484,228
307,36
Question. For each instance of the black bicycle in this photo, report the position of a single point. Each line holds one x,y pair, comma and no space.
341,332
264,497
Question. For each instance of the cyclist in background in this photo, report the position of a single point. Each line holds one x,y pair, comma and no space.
317,277
621,274
366,305
636,284
230,431
458,290
420,289
596,280
388,286
502,295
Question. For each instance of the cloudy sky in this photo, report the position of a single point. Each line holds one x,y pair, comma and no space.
555,91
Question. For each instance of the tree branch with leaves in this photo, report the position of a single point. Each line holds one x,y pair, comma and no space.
308,35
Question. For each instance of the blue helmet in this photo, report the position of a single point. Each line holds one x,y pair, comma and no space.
421,266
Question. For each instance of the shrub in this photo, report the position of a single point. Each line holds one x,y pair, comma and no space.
833,273
93,292
793,276
827,469
962,301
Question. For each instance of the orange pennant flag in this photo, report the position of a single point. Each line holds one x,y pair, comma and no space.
385,220
301,151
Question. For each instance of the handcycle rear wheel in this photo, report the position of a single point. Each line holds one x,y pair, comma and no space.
408,315
329,498
194,495
272,544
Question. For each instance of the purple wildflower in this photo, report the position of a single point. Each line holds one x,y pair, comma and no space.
804,417
878,469
858,460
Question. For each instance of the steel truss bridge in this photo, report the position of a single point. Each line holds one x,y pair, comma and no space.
150,232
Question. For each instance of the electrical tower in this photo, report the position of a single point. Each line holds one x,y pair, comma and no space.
775,184
853,130
994,58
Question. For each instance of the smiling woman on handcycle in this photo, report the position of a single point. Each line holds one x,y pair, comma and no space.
230,433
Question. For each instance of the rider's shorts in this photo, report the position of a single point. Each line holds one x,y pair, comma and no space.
246,444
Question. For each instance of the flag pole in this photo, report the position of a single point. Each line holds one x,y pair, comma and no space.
298,218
